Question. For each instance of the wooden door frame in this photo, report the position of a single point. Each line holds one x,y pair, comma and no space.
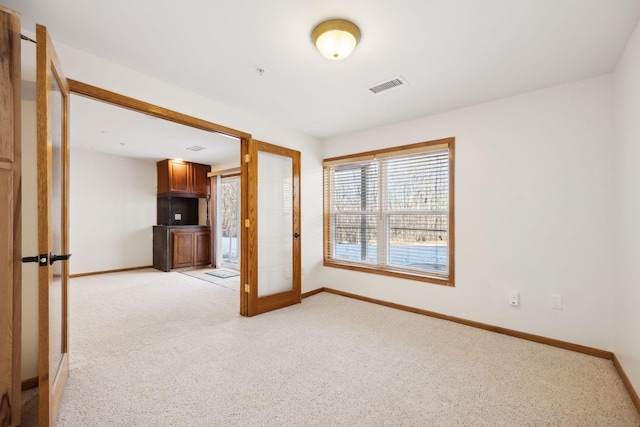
52,379
113,98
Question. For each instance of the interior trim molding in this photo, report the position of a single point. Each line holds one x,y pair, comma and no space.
511,332
627,384
119,270
224,173
312,293
30,383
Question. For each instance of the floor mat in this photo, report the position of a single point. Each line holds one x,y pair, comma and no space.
222,274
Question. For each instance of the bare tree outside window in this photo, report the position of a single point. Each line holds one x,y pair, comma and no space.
230,221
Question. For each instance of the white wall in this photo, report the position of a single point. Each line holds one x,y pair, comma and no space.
112,208
533,200
627,210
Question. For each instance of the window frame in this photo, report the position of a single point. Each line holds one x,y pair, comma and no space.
387,270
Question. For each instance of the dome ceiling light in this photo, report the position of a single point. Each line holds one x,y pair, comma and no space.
336,38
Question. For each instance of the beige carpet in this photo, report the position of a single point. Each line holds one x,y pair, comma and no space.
164,349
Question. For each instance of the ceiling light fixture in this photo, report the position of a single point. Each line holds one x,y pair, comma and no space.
336,38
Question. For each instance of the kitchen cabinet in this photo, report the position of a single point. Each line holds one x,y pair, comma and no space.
178,240
202,244
181,246
190,247
199,179
180,178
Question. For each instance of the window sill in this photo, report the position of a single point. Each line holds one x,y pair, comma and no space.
392,273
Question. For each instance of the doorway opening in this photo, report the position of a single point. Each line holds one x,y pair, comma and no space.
129,162
212,137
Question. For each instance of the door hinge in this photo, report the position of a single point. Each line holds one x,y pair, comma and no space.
247,158
247,223
246,287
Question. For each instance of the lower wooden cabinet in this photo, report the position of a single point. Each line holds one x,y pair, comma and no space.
180,247
202,240
190,247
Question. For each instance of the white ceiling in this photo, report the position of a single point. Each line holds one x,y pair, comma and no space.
453,53
97,126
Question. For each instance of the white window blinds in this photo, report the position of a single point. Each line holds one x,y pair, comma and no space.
390,211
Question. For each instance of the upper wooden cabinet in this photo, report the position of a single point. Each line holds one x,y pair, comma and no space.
180,178
199,179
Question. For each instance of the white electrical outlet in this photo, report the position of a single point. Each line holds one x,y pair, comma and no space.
556,302
178,217
514,298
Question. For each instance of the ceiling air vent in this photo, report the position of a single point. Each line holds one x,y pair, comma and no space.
389,84
196,148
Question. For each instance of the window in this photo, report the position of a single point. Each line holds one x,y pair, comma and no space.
391,211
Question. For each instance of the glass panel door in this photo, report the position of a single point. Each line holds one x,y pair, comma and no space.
273,230
275,220
56,300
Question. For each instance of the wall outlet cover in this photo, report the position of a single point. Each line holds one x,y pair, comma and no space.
514,298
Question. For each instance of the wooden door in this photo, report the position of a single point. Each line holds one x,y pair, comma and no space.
52,100
10,218
273,232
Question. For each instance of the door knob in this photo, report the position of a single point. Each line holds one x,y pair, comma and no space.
296,235
53,258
